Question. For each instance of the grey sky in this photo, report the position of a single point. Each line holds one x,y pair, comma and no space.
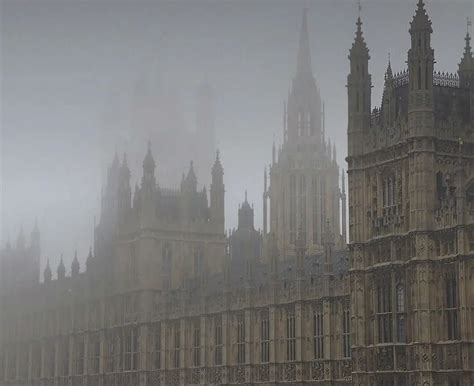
68,67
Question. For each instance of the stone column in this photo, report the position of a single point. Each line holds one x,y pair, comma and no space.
225,347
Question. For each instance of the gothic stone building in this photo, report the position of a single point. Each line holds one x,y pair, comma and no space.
411,218
165,300
304,191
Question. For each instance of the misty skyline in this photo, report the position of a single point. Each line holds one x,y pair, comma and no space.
69,68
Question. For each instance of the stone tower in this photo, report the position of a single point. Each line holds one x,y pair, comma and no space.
304,175
411,223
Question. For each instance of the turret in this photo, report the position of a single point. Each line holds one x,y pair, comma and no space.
189,184
246,216
388,105
359,86
420,69
148,178
217,193
466,66
75,267
61,271
47,275
89,261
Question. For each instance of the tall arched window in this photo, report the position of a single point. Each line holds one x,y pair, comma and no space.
452,306
401,314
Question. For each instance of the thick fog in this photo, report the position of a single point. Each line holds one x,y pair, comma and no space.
83,79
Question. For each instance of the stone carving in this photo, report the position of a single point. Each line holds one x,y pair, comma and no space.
384,359
317,370
290,372
263,373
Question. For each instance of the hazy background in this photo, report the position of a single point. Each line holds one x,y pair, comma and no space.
69,70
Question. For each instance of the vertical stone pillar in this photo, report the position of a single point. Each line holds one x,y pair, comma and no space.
102,351
248,343
299,340
225,347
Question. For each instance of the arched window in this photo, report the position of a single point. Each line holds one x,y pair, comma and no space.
452,306
401,314
384,311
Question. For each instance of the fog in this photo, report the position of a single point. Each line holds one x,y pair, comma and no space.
73,73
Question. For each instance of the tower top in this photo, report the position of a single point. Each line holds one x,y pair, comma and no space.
421,21
359,46
217,168
149,162
304,52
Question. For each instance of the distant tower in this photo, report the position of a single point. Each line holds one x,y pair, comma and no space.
466,66
304,178
217,193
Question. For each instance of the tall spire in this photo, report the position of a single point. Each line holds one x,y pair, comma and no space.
304,52
61,271
47,273
466,66
75,265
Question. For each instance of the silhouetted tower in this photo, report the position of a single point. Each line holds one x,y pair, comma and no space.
359,84
466,66
217,194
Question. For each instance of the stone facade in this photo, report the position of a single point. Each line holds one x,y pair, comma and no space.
164,299
168,298
411,223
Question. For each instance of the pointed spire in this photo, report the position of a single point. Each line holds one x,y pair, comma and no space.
304,52
89,259
466,66
148,177
191,177
421,20
359,46
388,72
217,169
75,267
61,271
149,162
47,273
